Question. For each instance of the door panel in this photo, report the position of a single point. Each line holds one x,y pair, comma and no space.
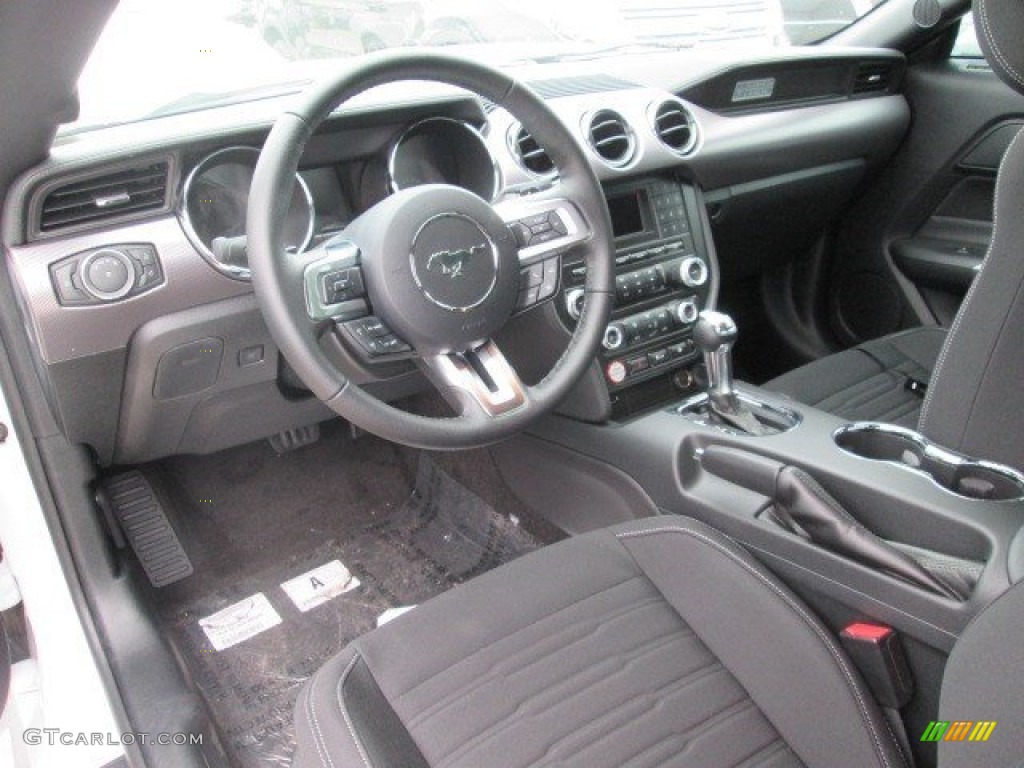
908,250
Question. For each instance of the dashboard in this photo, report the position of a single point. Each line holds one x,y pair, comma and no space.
128,244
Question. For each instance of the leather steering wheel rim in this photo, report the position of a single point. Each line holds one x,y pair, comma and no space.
277,276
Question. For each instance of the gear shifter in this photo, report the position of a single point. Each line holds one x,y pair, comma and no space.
714,334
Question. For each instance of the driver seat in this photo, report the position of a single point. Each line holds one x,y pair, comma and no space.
655,643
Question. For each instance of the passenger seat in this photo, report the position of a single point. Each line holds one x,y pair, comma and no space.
881,380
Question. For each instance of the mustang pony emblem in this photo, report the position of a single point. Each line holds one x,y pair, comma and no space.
452,264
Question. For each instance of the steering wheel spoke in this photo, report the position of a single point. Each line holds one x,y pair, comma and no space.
544,225
478,383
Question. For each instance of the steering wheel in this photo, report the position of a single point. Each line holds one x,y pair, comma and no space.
438,266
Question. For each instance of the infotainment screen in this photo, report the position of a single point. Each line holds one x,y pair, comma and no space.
626,213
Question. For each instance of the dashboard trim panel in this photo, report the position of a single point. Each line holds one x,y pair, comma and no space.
69,332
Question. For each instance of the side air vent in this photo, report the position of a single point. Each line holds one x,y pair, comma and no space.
611,138
674,125
872,77
110,196
530,154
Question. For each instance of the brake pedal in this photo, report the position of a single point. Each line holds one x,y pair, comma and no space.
142,518
293,439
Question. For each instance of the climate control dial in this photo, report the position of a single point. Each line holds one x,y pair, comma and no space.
614,337
691,272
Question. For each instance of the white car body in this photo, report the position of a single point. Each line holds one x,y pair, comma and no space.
57,694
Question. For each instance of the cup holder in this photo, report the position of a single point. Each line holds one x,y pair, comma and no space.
961,475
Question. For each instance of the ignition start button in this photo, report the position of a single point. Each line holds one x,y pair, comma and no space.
616,372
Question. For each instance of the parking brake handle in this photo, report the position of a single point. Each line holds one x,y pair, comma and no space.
803,506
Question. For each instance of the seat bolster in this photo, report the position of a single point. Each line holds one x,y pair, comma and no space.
373,736
983,681
788,662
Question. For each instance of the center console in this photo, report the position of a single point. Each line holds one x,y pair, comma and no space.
666,274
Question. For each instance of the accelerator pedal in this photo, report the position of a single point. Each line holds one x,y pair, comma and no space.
149,532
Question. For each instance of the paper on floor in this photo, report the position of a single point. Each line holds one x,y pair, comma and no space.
316,587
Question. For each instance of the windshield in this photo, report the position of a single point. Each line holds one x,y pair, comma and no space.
158,58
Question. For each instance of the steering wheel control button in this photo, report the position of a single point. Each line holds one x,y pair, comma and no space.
454,262
528,298
375,338
557,224
108,274
368,328
539,228
336,276
538,282
549,282
343,285
536,275
387,345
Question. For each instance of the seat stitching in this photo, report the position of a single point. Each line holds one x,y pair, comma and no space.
1004,60
647,646
864,391
533,624
793,606
318,737
957,321
344,712
712,721
768,750
864,387
671,686
487,732
450,698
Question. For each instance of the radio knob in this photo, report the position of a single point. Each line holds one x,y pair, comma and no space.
574,302
686,311
614,337
692,272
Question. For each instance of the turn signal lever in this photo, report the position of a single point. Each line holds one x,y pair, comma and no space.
714,334
804,507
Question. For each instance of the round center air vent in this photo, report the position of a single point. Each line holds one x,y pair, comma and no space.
530,154
611,137
675,126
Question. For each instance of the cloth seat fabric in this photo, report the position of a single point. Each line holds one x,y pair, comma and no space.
657,643
869,382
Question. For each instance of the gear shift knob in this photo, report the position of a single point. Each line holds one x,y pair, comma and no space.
713,331
714,334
